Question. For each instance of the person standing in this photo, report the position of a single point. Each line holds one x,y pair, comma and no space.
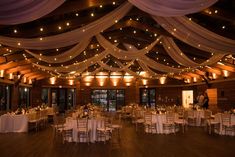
205,101
200,99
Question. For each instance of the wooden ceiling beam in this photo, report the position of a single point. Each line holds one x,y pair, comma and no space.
213,70
12,64
18,69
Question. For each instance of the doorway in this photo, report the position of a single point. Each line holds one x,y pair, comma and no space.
187,98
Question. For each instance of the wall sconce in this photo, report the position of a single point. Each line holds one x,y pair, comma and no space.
2,73
128,84
214,76
128,77
24,79
101,83
52,80
115,84
30,81
144,81
87,83
162,80
71,82
225,73
11,76
194,79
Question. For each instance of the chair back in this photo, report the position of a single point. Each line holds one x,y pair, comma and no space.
148,117
170,118
82,124
207,114
226,118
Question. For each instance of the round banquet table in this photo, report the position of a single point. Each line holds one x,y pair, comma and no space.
93,124
159,119
199,114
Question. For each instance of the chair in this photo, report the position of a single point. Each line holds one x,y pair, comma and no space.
83,132
181,121
33,121
212,125
137,119
58,125
105,132
148,122
192,119
206,117
67,132
116,124
169,124
226,123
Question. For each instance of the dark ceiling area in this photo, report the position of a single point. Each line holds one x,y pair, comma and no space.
136,28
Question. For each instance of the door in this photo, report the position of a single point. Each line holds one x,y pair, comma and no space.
187,98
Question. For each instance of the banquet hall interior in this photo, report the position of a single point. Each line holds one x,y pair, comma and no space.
117,78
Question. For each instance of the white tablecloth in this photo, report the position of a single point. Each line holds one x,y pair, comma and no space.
13,123
93,124
198,114
159,119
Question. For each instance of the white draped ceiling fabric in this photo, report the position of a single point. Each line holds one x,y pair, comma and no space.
177,55
195,35
140,54
170,8
162,12
15,12
65,56
71,37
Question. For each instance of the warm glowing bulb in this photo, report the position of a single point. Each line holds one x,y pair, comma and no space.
92,14
71,82
2,73
15,31
226,73
41,29
144,81
162,80
67,24
59,27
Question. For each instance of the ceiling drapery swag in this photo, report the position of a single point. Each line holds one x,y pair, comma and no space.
177,55
64,57
71,37
169,8
195,35
23,11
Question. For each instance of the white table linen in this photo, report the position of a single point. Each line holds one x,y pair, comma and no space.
93,124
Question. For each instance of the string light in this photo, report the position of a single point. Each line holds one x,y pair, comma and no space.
101,6
59,27
223,27
41,29
114,3
92,14
15,31
67,24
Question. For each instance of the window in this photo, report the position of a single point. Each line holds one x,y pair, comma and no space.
44,96
148,97
110,100
5,97
24,100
